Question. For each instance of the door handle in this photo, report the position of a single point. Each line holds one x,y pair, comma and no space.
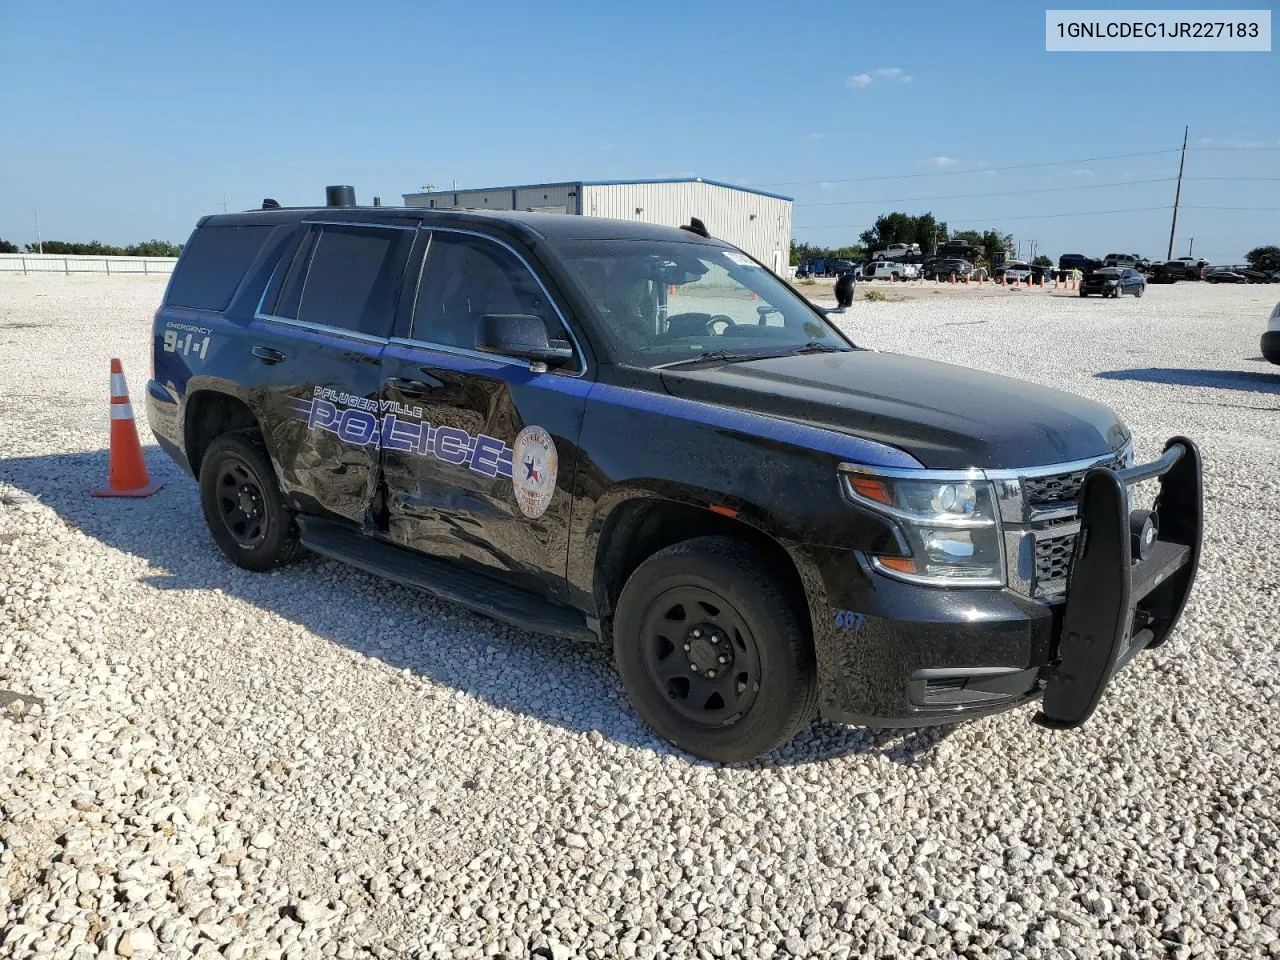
268,354
412,387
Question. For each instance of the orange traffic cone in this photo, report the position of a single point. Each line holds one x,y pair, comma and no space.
127,474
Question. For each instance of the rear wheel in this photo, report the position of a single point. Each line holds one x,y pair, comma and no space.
243,506
711,653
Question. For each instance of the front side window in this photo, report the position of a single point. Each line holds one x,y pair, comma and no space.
346,277
664,302
465,277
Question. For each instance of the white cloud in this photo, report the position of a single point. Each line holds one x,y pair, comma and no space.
817,136
940,162
1080,172
890,72
827,185
858,81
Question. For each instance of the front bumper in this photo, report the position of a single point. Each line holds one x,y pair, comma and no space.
893,654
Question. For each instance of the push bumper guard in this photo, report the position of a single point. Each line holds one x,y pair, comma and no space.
1127,588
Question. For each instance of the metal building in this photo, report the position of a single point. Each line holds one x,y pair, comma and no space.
755,220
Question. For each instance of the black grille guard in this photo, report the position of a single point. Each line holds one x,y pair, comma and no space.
1115,607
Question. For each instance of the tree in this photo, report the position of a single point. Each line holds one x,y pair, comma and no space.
1264,258
7,247
1042,261
153,248
904,228
808,251
148,248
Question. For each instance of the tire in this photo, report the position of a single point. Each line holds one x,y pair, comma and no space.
744,616
1139,291
1083,294
243,507
894,277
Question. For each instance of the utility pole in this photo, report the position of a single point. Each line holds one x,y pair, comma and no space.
1177,196
224,203
1191,246
39,242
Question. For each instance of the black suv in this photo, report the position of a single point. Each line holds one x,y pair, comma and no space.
638,434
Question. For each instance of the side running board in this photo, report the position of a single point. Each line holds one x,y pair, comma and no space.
444,580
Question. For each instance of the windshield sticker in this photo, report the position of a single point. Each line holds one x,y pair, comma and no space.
741,259
533,470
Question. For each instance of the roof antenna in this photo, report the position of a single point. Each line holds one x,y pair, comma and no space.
697,226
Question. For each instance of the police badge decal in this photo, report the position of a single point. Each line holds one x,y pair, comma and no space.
534,463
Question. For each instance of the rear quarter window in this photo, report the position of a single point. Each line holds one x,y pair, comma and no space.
213,264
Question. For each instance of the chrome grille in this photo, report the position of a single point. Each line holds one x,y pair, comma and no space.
1061,487
1053,563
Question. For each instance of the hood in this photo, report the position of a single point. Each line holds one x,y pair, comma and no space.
947,417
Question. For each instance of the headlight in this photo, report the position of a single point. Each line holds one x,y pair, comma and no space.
1112,283
949,526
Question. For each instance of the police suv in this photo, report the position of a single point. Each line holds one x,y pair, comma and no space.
637,434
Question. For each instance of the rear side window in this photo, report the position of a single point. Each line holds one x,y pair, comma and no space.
346,277
213,264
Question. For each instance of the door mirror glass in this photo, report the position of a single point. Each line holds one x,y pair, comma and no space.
520,335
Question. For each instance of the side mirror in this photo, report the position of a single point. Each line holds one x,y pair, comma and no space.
520,335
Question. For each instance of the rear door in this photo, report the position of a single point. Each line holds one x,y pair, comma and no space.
479,450
318,339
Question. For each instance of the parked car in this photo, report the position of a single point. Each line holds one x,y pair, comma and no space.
896,251
1131,261
1015,271
1223,275
838,268
1192,267
1170,272
1078,261
762,521
946,269
1271,338
1113,282
890,270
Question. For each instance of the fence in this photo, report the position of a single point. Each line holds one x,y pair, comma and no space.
28,263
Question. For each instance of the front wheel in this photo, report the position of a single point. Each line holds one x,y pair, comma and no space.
711,652
243,506
1139,291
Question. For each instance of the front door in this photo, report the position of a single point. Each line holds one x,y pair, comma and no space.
317,343
479,451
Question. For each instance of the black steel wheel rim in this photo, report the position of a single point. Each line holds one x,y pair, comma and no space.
701,656
241,503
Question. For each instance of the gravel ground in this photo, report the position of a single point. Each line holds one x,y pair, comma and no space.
203,761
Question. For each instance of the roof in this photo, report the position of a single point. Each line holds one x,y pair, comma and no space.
603,183
557,226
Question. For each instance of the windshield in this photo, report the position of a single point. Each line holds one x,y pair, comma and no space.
664,302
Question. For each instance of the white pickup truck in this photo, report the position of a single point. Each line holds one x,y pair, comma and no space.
890,270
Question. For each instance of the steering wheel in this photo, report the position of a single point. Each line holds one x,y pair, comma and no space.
718,324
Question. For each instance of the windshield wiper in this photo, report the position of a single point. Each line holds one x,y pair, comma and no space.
724,356
815,346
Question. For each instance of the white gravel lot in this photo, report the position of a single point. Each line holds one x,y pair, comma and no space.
209,762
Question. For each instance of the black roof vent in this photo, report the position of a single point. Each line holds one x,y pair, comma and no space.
339,196
270,204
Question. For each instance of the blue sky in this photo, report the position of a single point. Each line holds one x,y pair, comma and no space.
127,121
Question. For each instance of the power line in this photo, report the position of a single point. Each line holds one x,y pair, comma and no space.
1234,149
1242,179
1187,206
1002,219
998,193
949,173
